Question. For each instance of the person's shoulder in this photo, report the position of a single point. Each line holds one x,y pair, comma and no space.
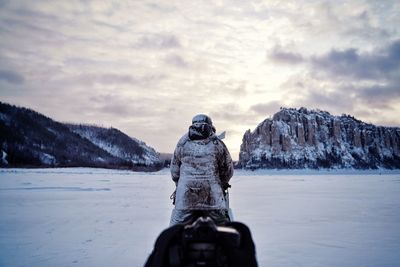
183,140
217,141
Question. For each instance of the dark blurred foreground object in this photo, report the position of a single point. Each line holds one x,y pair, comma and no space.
204,244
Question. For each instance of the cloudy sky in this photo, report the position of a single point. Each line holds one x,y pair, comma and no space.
147,67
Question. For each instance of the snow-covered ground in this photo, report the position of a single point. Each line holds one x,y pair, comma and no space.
96,217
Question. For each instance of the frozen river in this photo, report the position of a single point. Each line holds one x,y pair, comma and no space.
96,217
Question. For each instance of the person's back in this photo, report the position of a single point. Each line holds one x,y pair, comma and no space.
201,167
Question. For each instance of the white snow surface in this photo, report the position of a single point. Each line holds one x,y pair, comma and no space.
97,217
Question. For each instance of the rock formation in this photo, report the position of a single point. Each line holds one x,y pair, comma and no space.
301,138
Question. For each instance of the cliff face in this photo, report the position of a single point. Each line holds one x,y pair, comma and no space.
301,138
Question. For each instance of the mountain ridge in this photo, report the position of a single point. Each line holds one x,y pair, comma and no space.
31,139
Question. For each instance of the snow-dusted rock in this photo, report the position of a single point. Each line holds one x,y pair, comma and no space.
301,138
118,144
3,158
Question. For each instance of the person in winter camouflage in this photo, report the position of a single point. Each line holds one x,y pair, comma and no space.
201,168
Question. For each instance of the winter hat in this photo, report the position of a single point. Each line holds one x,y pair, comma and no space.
201,127
201,118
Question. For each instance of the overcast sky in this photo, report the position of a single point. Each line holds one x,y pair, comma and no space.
147,67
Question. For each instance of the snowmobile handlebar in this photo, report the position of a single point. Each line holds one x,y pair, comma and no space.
225,186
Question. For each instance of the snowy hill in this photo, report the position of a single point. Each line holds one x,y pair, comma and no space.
30,139
166,158
301,138
117,143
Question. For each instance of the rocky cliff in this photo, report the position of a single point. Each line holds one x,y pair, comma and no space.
301,138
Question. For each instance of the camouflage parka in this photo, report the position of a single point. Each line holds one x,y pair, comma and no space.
200,169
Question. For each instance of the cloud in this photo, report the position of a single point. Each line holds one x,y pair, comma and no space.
116,28
147,67
232,113
240,90
380,95
364,27
354,21
37,31
266,108
176,61
352,63
115,79
227,111
374,92
11,77
332,100
162,8
348,80
370,78
158,41
280,55
114,104
115,109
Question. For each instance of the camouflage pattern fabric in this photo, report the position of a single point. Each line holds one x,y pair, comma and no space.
200,169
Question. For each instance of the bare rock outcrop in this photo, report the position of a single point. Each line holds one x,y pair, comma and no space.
302,138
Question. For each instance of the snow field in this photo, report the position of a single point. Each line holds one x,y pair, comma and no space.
321,220
97,217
